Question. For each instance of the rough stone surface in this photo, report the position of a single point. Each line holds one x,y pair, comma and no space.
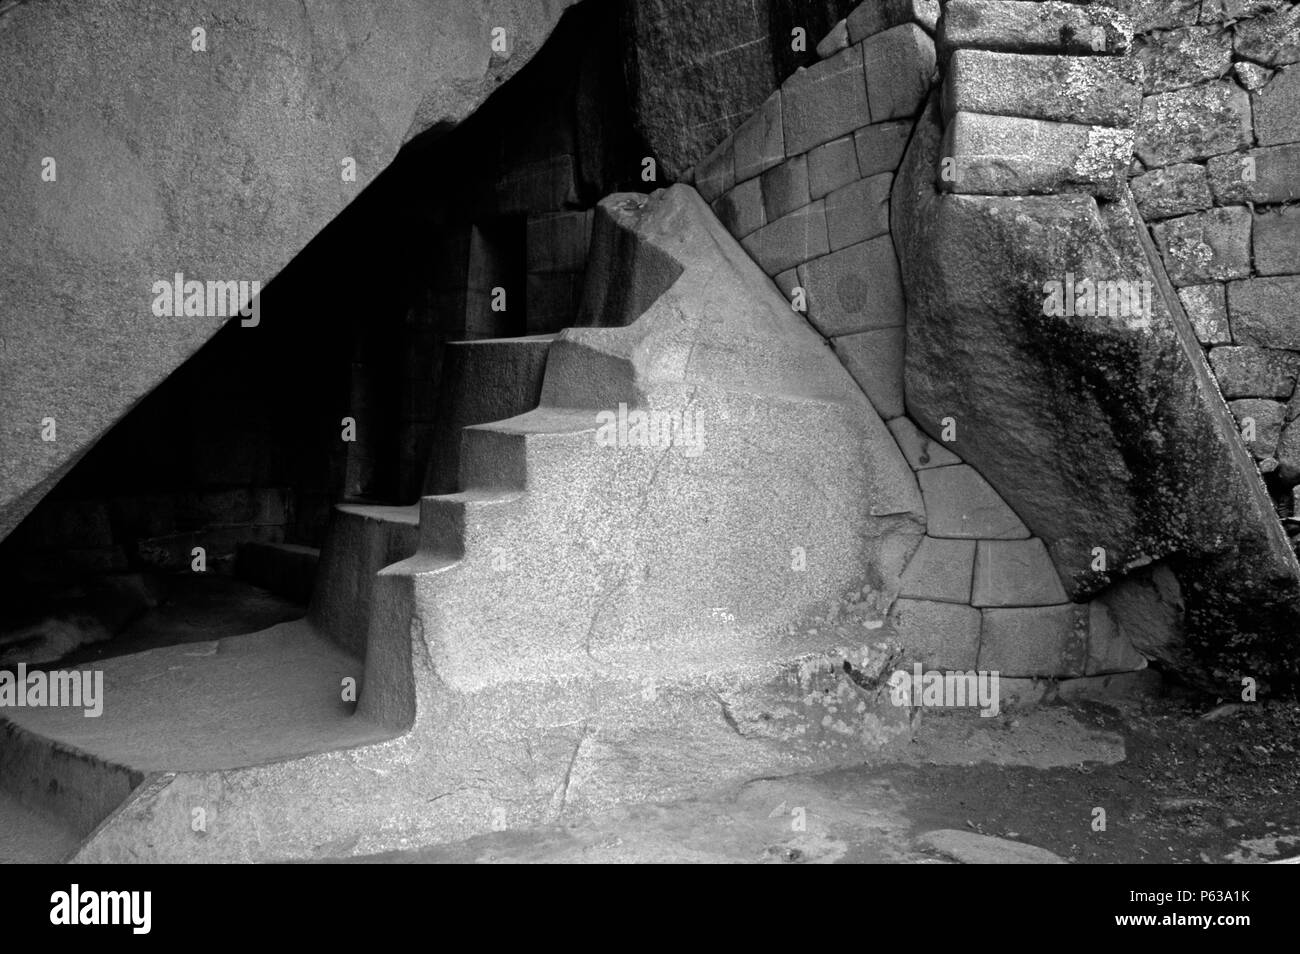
858,211
1277,109
935,634
790,240
1265,312
1108,649
1276,237
1270,40
1263,419
1015,573
876,16
1166,472
960,504
824,102
940,570
970,848
1193,124
1005,155
900,64
1268,175
875,359
854,289
221,165
785,187
1207,246
1087,90
741,209
1254,372
920,451
1184,57
1034,641
1158,14
1179,189
759,142
832,166
1251,76
1034,27
834,41
880,146
1207,309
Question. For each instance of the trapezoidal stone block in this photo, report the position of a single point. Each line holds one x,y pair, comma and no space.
854,289
921,452
785,187
960,504
1009,155
1015,573
759,142
832,165
741,209
880,146
876,16
791,240
937,635
900,68
875,359
858,211
824,102
940,570
1086,90
1034,641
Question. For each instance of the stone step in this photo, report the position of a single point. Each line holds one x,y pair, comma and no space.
469,523
484,380
517,452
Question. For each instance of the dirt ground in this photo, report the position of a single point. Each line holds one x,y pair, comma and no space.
1175,786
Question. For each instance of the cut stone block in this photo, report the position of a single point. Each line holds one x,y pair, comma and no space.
759,143
1087,90
1277,109
741,209
1159,14
1277,241
557,242
790,240
900,67
1193,124
787,281
1263,419
834,41
854,289
1179,189
1266,312
940,570
824,102
1288,460
859,211
1184,57
1015,573
937,635
1034,27
921,452
1207,246
875,359
876,16
1034,641
1272,39
1006,155
785,187
832,166
960,504
1254,372
717,173
1207,309
1108,649
1269,175
1251,76
880,146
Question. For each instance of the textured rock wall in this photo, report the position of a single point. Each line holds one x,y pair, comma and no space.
1216,177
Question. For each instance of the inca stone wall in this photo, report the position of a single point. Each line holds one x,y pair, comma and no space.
1216,175
806,184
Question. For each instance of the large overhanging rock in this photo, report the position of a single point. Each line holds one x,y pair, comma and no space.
1104,432
220,164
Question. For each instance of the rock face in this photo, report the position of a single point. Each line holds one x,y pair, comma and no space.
220,163
1100,430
